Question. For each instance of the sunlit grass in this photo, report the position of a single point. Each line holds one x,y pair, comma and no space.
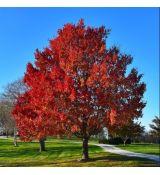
142,148
62,152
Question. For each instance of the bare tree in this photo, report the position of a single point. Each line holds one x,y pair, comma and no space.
9,98
7,123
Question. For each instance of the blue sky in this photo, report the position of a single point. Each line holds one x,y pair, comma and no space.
134,30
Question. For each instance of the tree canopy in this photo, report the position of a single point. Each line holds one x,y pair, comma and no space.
78,86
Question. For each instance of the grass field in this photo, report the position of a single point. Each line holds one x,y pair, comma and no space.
142,148
61,153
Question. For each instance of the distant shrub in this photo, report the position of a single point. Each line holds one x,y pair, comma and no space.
114,141
104,141
128,141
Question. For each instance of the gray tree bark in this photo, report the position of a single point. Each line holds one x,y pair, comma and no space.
15,137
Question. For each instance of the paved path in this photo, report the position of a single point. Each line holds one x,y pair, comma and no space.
113,149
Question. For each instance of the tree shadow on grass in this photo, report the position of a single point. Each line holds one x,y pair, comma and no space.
31,152
28,155
4,143
27,150
120,158
111,160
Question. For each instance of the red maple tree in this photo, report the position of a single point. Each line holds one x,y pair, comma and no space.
78,86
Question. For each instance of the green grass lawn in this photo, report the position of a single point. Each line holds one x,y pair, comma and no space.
142,148
62,152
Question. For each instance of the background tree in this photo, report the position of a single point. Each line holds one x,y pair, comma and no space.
8,100
34,112
155,127
79,86
6,121
129,130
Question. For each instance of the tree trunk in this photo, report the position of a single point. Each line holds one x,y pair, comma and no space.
7,133
124,142
42,144
15,137
85,155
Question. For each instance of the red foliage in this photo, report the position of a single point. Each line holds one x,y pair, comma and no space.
78,86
